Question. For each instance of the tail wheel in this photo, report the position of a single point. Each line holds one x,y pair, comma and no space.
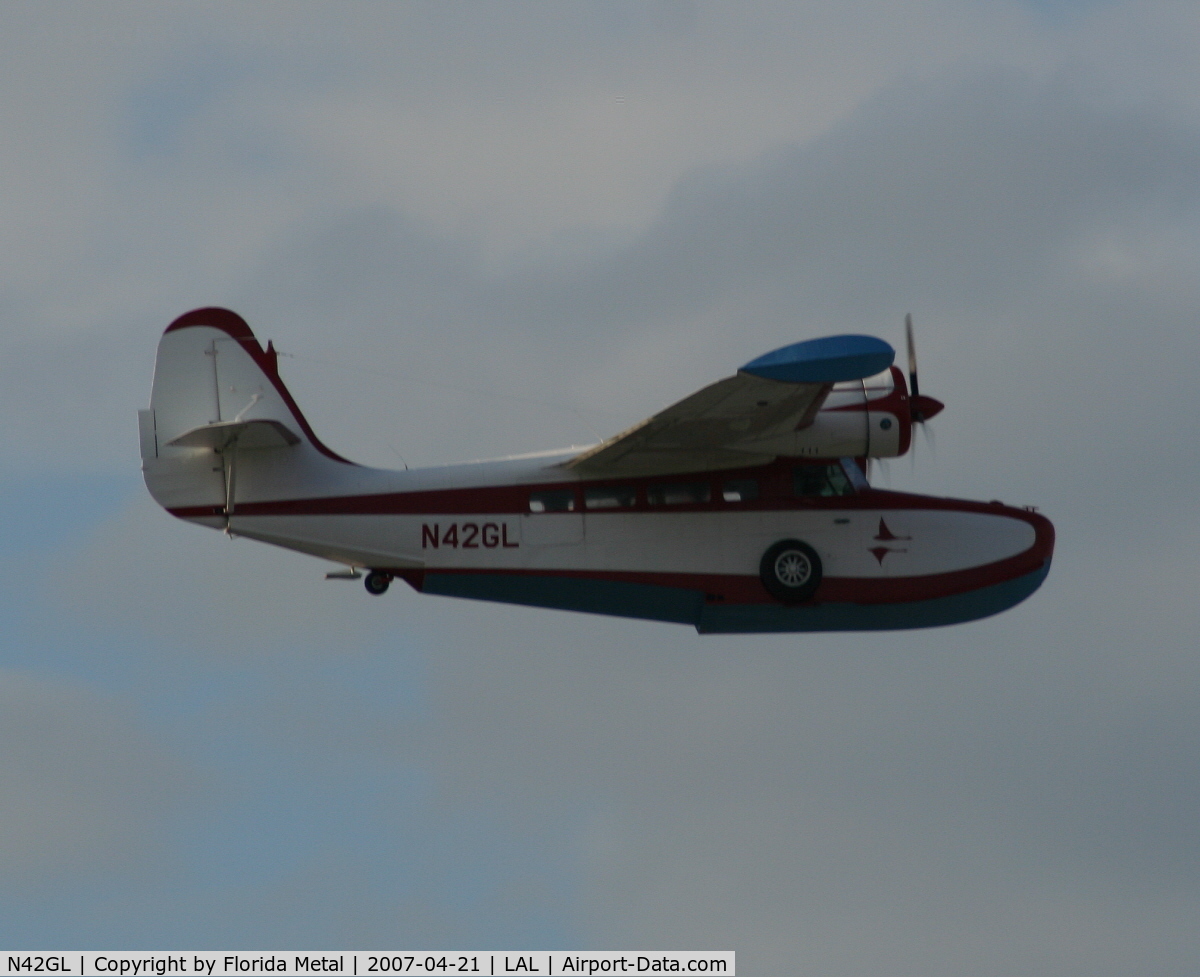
791,571
377,582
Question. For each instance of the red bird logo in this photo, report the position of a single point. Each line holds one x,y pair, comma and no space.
886,535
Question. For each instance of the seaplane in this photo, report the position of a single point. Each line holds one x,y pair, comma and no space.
743,508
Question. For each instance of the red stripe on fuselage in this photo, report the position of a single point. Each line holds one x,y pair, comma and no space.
514,500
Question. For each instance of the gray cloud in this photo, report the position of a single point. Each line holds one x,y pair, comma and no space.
472,250
86,789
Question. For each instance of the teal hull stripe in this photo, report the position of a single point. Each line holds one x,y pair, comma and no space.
614,597
683,606
937,612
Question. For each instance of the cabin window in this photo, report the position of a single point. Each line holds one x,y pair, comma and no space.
739,489
609,497
680,493
556,500
824,480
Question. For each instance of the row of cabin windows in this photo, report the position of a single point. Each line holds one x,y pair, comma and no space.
822,480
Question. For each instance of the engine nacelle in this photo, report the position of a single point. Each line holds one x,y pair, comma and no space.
871,418
868,418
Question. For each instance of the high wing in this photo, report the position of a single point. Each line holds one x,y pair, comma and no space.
730,424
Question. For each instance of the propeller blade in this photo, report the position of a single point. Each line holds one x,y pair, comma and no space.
912,356
921,408
883,470
930,440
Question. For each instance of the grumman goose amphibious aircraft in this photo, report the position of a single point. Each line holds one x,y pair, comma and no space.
742,508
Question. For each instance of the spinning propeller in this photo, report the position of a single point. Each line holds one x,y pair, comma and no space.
920,408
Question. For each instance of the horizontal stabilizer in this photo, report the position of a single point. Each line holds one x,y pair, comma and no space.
260,433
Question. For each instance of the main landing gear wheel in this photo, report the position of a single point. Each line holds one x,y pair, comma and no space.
791,571
377,582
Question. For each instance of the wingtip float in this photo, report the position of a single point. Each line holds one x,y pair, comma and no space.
742,508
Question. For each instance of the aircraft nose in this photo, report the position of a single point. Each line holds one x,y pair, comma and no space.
923,408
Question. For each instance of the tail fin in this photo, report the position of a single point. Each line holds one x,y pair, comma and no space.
218,405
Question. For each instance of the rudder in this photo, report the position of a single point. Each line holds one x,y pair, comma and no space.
219,411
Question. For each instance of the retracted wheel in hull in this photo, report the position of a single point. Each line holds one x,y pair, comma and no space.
377,582
791,571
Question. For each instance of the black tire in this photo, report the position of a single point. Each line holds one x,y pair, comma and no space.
377,582
791,571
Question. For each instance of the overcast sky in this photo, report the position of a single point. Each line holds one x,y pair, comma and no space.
484,229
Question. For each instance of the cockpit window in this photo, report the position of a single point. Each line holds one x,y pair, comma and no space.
555,500
826,480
